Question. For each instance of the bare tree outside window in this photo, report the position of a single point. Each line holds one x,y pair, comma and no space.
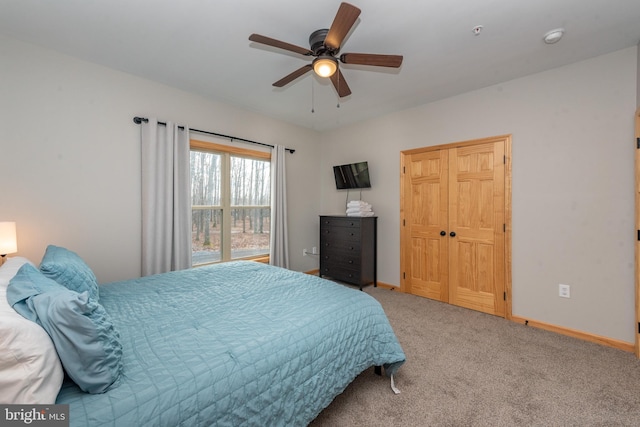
230,198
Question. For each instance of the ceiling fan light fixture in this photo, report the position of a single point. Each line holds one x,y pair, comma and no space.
325,66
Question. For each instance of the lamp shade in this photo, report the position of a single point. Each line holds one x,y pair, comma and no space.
8,241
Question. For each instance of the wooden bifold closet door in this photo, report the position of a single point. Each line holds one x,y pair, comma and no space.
454,224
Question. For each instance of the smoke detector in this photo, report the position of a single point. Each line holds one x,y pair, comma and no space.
553,36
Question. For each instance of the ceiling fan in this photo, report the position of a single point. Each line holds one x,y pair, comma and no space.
325,46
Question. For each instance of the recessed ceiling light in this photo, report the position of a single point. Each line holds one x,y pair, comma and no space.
553,36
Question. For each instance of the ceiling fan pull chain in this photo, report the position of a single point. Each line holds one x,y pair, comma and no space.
338,105
312,98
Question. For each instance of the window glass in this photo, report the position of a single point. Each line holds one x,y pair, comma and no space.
250,214
230,198
206,244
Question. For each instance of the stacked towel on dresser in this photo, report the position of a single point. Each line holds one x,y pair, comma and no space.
359,208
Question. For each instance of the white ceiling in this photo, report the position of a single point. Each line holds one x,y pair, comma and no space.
202,46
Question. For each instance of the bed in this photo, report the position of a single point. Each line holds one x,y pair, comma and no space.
238,343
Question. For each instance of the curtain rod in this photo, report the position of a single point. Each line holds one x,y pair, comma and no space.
138,120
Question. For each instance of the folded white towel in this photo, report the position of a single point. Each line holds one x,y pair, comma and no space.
356,210
357,203
360,214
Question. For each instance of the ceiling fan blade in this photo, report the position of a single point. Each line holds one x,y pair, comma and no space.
279,44
393,61
291,77
342,23
340,84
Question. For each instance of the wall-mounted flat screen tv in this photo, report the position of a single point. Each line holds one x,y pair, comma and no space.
352,175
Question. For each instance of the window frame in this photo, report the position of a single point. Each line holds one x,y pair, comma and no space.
226,152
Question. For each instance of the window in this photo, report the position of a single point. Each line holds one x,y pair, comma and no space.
230,203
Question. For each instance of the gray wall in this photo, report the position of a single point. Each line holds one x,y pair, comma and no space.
70,156
573,184
70,163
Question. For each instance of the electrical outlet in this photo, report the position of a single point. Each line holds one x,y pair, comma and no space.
314,250
564,291
304,252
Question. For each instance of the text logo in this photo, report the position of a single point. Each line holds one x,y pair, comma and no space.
34,415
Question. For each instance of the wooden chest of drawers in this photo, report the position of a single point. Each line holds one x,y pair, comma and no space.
348,249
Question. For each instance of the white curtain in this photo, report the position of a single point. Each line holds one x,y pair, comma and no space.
166,198
279,254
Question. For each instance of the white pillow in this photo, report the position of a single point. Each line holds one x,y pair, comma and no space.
30,370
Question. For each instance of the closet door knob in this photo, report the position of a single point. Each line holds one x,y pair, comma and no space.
443,233
452,234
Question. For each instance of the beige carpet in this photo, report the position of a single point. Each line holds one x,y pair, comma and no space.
466,368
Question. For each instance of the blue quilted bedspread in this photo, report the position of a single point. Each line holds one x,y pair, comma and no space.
239,343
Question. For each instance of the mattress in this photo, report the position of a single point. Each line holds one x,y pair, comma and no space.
233,344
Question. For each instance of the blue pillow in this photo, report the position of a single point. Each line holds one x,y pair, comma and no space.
68,269
81,330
